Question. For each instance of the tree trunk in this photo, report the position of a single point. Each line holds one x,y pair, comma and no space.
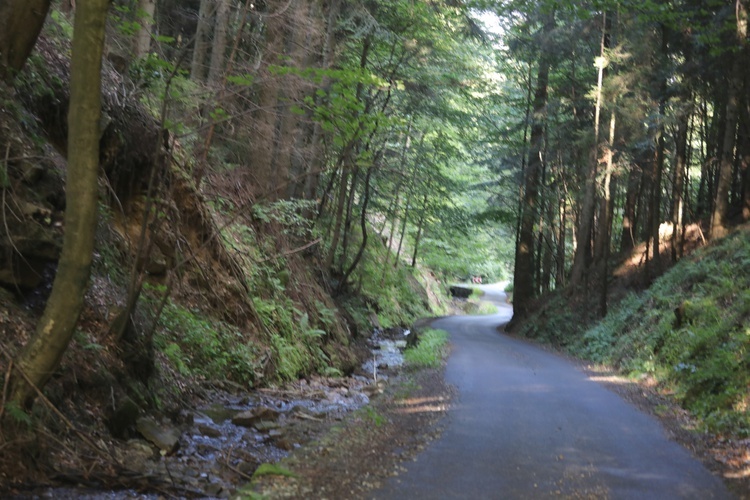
678,183
363,227
348,218
523,285
744,154
198,67
145,16
657,173
726,164
339,216
658,169
604,237
420,228
219,46
42,355
629,229
317,161
582,257
20,24
562,221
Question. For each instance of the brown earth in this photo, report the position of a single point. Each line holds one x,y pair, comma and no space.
358,455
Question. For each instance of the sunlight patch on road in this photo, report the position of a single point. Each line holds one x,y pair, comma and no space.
423,405
739,474
610,379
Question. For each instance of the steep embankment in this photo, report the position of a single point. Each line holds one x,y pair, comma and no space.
230,293
687,337
691,331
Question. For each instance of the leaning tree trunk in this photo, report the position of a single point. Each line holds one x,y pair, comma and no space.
42,355
20,24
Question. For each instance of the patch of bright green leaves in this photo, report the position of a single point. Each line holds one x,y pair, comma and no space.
199,346
429,351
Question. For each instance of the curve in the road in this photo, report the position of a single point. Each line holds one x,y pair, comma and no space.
529,424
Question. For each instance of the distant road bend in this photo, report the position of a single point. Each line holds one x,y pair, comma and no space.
529,424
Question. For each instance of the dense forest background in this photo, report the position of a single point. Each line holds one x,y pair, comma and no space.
266,182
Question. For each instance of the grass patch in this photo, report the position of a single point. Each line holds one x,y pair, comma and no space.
267,469
486,308
429,351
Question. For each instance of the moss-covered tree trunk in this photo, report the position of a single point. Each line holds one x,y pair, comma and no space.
42,355
20,24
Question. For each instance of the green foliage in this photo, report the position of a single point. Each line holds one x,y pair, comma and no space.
486,308
393,293
371,416
296,343
198,346
556,322
266,469
15,412
62,24
690,329
288,214
429,351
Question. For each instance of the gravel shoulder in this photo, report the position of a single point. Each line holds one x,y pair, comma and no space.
358,454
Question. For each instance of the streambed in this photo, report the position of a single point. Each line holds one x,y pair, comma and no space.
217,447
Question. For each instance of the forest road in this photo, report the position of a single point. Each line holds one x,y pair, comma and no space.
528,424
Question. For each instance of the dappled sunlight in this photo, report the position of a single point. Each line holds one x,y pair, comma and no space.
739,474
611,379
423,405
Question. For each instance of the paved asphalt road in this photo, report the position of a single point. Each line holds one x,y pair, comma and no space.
528,424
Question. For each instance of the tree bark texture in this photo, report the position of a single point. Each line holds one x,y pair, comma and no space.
523,283
582,257
726,162
198,66
219,45
20,24
42,355
145,15
678,182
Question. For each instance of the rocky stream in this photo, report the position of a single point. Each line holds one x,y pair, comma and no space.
211,451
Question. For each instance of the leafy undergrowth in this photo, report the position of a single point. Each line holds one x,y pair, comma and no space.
691,330
385,295
429,351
